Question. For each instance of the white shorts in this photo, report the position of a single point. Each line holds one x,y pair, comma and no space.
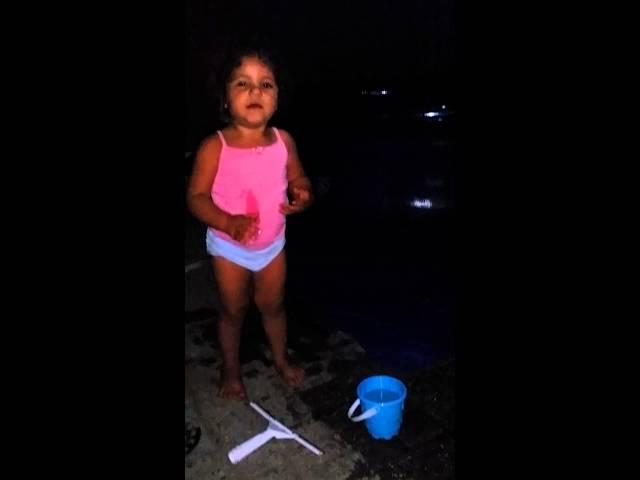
254,260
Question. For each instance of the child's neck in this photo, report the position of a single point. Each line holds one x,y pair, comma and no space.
247,135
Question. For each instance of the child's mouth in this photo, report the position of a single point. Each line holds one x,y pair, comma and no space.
254,105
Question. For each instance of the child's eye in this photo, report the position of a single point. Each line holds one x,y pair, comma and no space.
267,85
241,84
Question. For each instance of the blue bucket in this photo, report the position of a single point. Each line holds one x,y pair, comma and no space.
382,400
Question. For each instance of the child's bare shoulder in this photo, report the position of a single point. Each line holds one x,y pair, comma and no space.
286,137
210,146
284,134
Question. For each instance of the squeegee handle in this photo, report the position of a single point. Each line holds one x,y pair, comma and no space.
307,444
271,419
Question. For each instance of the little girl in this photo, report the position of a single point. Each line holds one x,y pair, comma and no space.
239,189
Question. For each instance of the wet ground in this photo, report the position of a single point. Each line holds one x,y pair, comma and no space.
335,364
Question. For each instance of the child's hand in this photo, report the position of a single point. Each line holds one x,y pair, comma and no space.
243,228
302,199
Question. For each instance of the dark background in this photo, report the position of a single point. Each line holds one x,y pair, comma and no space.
330,52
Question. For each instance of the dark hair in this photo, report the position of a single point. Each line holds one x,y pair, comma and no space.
233,59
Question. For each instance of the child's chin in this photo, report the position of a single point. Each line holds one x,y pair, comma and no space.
256,122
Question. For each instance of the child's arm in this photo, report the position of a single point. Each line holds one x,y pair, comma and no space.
240,227
299,183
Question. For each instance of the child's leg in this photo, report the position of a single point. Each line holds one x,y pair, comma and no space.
269,298
233,286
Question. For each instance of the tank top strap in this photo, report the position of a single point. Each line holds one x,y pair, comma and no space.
224,143
275,130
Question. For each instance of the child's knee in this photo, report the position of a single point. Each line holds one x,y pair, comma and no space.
234,313
270,306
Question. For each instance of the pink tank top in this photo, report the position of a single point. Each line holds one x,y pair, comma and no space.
253,180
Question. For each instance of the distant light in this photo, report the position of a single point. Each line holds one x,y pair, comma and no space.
375,93
421,203
444,107
431,114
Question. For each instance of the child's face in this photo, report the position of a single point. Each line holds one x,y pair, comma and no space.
252,93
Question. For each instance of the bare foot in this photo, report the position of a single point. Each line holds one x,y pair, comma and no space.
292,375
231,387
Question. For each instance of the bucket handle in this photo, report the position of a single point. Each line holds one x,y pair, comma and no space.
363,416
